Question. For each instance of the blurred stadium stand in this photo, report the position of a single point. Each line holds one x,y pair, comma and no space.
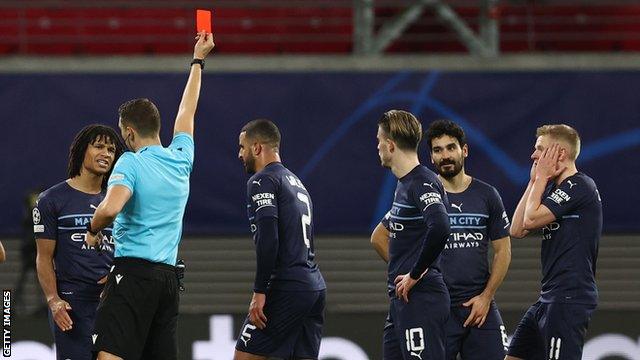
100,27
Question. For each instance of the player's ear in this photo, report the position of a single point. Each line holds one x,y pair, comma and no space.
131,133
256,148
465,150
563,154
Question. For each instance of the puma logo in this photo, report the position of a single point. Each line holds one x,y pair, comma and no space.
94,337
93,207
459,207
417,354
428,184
256,182
118,278
571,184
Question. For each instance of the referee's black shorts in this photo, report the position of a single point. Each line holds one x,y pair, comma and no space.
138,313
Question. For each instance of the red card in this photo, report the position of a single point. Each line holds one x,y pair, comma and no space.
203,21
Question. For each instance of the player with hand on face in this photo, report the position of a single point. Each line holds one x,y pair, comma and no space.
565,204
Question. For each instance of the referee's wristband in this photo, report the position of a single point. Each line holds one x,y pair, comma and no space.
198,61
94,233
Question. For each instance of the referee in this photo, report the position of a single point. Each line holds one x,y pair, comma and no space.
146,197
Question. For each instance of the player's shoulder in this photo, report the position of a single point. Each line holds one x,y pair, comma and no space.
582,178
57,191
55,197
484,188
276,171
262,179
580,185
423,173
424,178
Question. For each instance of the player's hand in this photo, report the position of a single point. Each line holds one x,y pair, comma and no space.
404,283
59,310
203,46
256,310
92,240
479,309
548,166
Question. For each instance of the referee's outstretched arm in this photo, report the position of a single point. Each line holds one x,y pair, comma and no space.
187,109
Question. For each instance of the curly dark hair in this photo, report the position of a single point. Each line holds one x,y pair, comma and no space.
445,127
89,135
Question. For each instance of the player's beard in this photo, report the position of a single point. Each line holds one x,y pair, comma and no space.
448,174
249,164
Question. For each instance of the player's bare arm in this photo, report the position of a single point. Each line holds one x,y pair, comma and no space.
117,196
380,241
480,304
3,254
47,278
537,215
187,109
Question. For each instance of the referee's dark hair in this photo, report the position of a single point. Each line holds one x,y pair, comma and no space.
442,127
142,115
89,135
263,131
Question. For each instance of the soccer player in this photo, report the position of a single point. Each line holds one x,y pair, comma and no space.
566,205
286,313
72,274
477,218
410,238
146,197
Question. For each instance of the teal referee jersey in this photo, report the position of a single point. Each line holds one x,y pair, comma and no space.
150,224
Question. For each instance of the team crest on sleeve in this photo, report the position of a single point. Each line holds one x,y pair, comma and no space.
36,216
430,198
37,227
